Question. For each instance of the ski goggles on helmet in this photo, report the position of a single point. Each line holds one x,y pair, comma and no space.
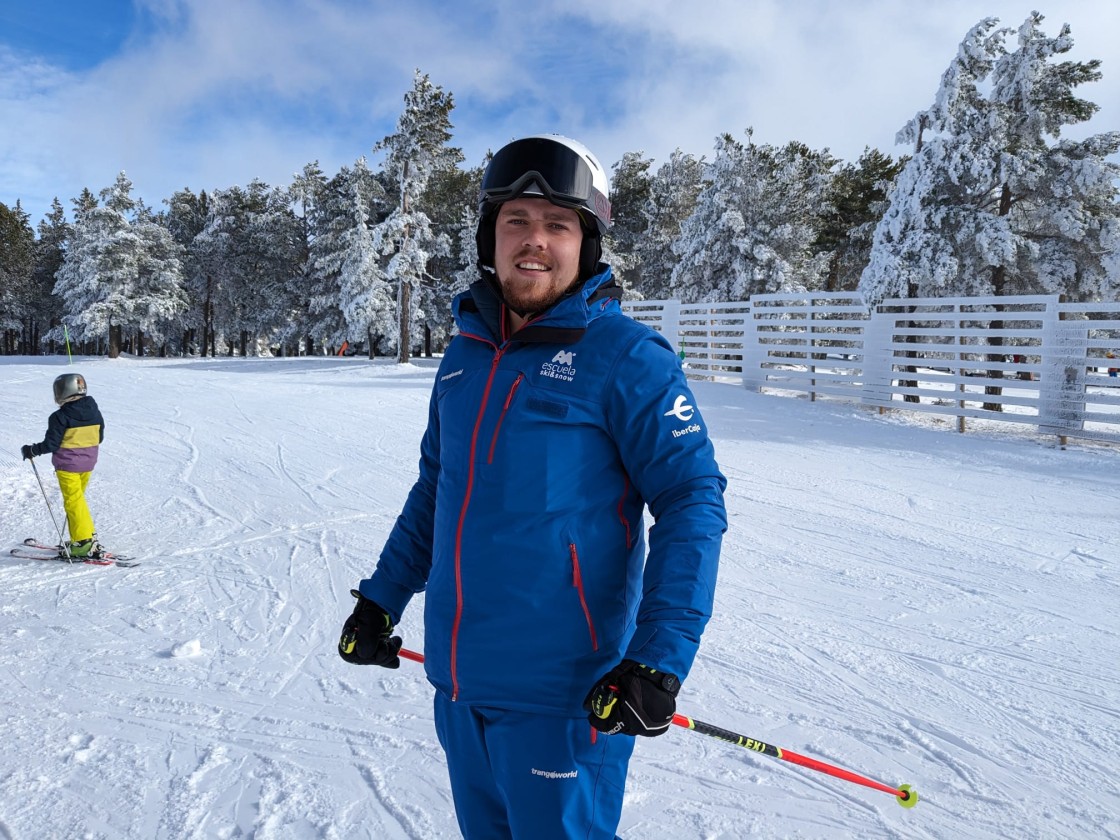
559,173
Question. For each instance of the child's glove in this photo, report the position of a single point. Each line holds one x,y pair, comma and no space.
367,636
632,699
26,452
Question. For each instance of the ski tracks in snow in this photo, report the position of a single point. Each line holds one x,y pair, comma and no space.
867,615
923,636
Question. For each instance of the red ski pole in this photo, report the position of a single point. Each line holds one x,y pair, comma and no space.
906,796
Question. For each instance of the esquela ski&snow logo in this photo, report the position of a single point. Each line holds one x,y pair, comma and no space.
561,367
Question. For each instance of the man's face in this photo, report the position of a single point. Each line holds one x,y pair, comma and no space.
536,252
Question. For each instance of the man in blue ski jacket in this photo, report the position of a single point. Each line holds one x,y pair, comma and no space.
550,634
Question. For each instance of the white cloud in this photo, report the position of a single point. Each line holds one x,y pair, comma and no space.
208,93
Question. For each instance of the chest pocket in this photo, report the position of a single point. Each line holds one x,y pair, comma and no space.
533,443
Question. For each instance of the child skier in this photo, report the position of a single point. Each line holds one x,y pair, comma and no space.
73,435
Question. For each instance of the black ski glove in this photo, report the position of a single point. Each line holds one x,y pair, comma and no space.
633,700
26,452
367,636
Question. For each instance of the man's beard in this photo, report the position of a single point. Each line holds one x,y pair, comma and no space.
527,305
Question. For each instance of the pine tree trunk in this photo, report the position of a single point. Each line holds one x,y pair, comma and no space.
114,341
999,288
404,307
910,354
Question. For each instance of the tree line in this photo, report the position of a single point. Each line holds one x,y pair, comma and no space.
992,201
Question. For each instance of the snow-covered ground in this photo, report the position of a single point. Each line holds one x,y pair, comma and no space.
912,604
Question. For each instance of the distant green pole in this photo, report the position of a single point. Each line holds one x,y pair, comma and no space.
66,332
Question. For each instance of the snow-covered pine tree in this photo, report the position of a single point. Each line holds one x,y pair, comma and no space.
413,153
992,202
327,211
215,249
449,200
306,188
854,202
187,216
273,262
366,298
1057,198
467,250
252,254
50,249
17,275
673,191
117,274
630,194
754,223
160,296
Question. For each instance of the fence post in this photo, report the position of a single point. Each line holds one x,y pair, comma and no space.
878,359
960,370
1061,398
810,330
671,323
754,357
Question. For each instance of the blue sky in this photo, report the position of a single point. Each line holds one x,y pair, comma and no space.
207,94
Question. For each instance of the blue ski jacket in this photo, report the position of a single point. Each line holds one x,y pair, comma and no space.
525,526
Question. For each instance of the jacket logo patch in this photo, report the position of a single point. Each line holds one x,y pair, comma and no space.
561,367
681,410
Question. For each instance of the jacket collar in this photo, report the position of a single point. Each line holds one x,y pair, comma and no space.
480,312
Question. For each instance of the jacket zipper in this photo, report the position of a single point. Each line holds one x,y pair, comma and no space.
459,528
577,582
502,417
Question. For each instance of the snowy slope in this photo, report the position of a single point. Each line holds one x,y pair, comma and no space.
912,604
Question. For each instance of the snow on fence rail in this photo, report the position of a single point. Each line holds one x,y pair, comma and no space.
1027,359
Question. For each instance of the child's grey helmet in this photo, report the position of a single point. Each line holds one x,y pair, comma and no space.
69,387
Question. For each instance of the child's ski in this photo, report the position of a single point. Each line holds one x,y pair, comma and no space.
36,550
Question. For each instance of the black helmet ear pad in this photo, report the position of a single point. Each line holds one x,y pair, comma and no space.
484,239
591,252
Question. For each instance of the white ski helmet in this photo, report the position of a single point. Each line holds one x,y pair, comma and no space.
69,387
557,168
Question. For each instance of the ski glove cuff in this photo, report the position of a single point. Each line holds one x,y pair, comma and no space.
633,699
27,452
367,636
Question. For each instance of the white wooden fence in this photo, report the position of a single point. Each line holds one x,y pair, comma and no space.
1028,359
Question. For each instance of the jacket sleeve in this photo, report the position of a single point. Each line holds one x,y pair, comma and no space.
56,428
664,445
406,559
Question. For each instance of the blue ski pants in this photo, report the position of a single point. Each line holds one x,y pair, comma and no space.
523,776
